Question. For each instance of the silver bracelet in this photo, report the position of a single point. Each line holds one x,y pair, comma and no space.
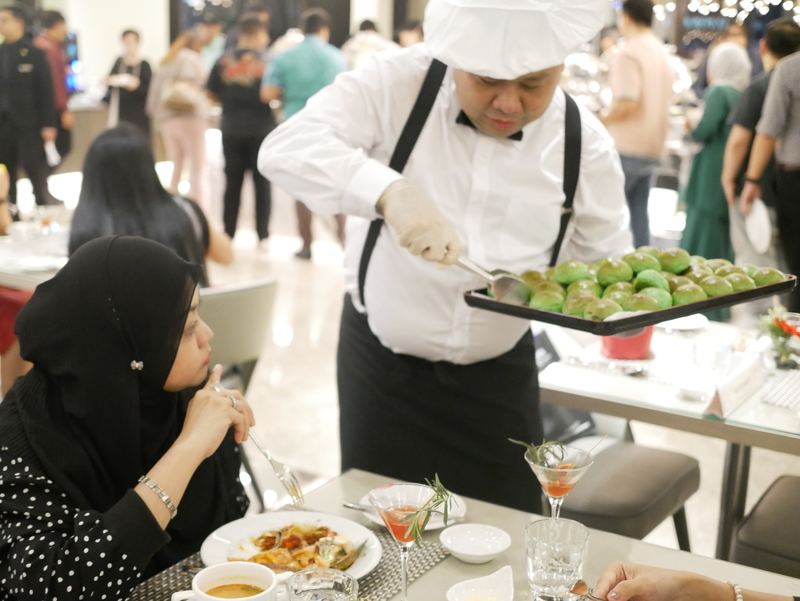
737,590
163,496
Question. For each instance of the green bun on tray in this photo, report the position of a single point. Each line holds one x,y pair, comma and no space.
547,300
663,297
641,261
531,278
618,296
714,264
676,281
714,285
726,270
740,282
767,275
613,271
572,271
689,293
600,309
696,275
620,287
675,260
750,269
640,302
577,302
590,285
548,286
650,278
648,250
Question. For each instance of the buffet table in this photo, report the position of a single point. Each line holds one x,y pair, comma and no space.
752,424
603,548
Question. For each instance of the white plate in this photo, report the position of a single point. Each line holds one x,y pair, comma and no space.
691,322
40,264
459,510
758,227
498,586
224,541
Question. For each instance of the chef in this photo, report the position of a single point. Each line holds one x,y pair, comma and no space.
461,145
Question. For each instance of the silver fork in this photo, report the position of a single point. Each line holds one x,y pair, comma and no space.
505,286
283,471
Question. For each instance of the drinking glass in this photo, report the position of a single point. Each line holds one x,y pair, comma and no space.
395,503
559,475
556,552
322,584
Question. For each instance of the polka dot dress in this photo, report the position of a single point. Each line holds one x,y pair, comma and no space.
49,549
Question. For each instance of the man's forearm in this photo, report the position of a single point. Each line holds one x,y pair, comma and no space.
763,147
620,111
735,152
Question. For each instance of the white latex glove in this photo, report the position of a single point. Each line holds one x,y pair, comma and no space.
420,227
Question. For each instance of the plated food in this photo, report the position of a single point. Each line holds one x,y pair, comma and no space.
235,539
299,546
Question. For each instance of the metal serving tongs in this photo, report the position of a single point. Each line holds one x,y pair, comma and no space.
283,471
505,286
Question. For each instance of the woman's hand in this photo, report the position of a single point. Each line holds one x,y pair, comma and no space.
622,581
211,414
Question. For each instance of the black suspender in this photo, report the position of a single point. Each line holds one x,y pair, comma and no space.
572,169
410,135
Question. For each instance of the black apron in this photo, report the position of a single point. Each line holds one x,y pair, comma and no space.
410,418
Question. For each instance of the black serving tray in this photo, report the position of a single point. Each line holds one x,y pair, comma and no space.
480,300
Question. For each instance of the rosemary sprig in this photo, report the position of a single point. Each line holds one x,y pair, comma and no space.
440,503
548,449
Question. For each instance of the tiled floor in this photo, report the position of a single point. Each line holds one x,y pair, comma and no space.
293,390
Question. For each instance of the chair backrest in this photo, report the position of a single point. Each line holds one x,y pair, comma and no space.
240,318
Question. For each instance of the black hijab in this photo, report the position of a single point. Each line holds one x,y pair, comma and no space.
103,334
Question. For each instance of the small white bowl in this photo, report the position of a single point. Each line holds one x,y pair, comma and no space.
475,543
498,586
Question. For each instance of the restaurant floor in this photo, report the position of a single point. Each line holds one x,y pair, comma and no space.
293,389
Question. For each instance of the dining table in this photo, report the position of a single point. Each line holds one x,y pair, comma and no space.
657,398
433,583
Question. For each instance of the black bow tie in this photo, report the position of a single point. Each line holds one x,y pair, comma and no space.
462,119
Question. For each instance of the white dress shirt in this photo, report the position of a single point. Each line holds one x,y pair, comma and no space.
503,197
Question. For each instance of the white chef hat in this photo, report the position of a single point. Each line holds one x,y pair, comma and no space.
506,39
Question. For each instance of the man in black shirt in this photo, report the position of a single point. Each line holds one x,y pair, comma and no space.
28,117
246,121
782,39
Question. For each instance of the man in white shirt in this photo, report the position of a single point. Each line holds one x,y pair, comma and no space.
426,384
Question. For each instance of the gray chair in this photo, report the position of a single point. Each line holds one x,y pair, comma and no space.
769,537
630,489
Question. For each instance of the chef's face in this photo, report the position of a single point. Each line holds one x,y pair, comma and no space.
500,107
11,28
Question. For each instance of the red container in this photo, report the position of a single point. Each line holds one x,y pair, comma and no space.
628,345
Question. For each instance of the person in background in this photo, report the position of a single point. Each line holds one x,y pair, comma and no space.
609,38
235,81
778,131
116,448
121,194
641,80
178,104
735,34
214,32
622,581
12,365
28,117
707,232
365,43
127,95
409,33
51,41
781,39
295,76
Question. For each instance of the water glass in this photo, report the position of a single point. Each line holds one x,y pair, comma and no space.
322,584
556,552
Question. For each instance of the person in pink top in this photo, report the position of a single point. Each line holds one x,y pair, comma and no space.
641,81
51,40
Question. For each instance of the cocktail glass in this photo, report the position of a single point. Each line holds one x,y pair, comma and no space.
559,473
395,503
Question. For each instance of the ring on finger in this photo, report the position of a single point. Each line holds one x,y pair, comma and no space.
233,402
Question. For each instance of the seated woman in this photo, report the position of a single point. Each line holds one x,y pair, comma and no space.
116,461
121,194
623,581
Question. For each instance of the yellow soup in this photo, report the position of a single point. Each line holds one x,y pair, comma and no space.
234,591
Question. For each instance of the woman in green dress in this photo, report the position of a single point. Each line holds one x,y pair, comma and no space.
707,231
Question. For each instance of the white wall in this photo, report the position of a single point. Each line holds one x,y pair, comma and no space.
380,11
99,24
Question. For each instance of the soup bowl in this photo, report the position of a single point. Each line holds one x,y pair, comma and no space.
241,573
